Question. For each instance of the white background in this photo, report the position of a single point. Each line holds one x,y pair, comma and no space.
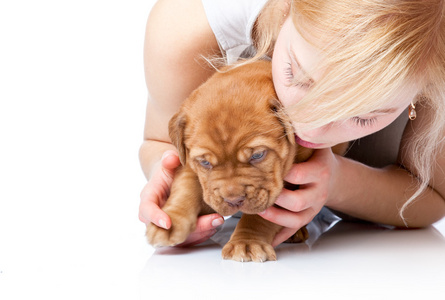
72,105
72,101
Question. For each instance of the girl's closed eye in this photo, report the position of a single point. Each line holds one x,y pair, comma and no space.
306,83
363,122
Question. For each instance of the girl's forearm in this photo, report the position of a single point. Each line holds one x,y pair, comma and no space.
377,195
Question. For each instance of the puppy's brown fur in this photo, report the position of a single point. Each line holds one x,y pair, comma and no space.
236,145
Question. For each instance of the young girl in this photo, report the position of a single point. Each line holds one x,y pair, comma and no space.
343,69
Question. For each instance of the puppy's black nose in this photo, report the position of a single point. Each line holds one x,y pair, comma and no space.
235,201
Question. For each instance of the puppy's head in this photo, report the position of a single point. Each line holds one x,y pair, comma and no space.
233,133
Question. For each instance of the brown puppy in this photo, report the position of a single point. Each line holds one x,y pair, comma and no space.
236,145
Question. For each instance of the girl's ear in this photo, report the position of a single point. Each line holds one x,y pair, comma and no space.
284,119
176,128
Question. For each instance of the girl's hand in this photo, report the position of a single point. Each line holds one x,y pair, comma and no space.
155,194
316,178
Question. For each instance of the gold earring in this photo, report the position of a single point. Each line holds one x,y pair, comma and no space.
412,112
284,20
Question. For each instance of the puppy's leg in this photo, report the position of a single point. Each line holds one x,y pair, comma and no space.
182,206
252,240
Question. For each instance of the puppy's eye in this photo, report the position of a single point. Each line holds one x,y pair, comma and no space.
205,164
258,156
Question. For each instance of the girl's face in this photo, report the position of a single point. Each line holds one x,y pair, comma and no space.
292,57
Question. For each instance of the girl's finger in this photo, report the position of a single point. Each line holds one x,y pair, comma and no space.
209,222
197,238
153,197
149,212
296,201
287,218
205,229
170,160
309,171
283,235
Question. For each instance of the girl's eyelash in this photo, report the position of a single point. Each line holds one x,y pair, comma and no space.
290,77
363,122
289,73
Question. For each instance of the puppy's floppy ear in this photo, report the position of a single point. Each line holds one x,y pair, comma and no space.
278,109
176,128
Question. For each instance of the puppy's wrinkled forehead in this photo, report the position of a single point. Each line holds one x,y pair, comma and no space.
235,118
236,125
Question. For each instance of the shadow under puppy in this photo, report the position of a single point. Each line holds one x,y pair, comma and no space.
236,145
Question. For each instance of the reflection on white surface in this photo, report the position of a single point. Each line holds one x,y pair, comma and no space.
350,260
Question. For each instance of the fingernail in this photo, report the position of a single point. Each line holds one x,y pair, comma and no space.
262,213
163,224
217,222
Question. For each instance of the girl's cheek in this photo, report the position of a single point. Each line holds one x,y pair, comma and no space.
290,96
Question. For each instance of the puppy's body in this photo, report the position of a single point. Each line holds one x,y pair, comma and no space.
236,145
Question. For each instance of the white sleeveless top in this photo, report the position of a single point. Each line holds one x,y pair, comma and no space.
232,22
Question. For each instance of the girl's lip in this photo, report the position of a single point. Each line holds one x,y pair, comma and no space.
305,144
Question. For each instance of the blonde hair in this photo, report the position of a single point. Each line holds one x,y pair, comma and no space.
373,49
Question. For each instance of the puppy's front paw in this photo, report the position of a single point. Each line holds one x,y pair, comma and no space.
177,234
244,251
